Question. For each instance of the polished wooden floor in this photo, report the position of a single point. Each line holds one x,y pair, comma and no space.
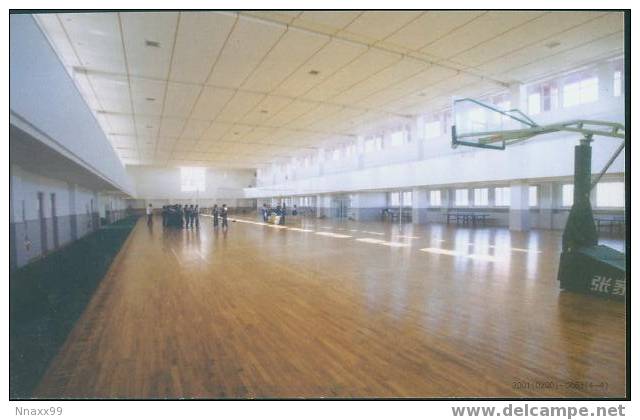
339,310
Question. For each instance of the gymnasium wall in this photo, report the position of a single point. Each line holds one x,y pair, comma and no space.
45,101
69,211
163,185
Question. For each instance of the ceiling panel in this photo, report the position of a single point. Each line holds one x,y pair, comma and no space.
195,128
364,66
96,40
333,56
289,113
210,102
180,99
147,96
329,22
293,49
430,27
250,40
224,82
171,127
238,106
548,26
373,26
113,92
200,39
482,29
268,107
215,131
400,71
141,28
581,35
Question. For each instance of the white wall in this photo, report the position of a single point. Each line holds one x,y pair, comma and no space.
162,185
46,102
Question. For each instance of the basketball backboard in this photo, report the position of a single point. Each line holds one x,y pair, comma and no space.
483,125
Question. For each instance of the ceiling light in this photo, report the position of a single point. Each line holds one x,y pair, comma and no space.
149,126
314,72
264,111
150,99
153,44
552,44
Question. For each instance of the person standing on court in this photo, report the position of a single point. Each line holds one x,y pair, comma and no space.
149,214
265,212
216,214
196,216
284,213
224,212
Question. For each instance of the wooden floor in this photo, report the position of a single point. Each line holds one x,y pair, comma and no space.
265,312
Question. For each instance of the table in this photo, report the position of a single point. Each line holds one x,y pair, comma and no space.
467,217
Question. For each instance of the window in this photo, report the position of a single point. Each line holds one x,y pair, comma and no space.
617,83
192,179
503,196
567,195
397,138
350,150
435,198
533,196
336,154
373,144
407,197
395,199
534,103
462,197
610,194
549,96
580,92
432,129
481,197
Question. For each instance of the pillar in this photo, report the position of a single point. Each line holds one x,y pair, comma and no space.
545,205
519,209
420,205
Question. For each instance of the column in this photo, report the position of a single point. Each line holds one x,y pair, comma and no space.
420,204
519,209
545,205
73,212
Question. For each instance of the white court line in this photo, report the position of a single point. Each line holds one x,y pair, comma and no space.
372,233
441,251
370,240
458,254
395,244
333,235
300,229
515,249
408,237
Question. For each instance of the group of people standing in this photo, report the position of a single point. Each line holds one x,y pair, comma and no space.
280,211
177,215
220,216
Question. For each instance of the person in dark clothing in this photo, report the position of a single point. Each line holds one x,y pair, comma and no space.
216,214
265,212
191,216
284,213
224,212
187,215
149,215
196,216
294,212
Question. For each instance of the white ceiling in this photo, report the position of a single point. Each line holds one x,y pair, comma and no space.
235,89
